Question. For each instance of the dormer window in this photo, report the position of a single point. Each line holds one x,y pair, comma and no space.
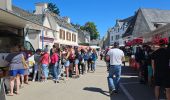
157,25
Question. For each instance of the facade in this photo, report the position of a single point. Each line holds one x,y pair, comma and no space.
46,28
83,37
118,30
67,34
145,21
106,39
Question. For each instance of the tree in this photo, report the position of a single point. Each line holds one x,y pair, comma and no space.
53,8
92,29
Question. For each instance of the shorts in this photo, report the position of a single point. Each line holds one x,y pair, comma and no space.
67,63
162,81
16,72
26,72
150,71
76,61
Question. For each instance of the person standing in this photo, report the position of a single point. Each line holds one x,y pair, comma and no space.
45,60
37,57
89,62
17,64
116,57
77,61
161,69
94,58
55,65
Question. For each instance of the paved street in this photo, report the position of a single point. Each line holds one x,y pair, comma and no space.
92,86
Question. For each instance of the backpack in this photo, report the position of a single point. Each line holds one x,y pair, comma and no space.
71,57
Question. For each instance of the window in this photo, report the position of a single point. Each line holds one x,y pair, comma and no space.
112,38
60,34
63,35
67,35
75,38
117,37
72,37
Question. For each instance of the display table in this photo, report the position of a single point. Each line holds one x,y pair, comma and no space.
3,74
2,89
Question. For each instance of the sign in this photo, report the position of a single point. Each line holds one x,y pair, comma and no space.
47,39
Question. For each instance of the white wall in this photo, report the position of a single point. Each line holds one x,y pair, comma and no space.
66,42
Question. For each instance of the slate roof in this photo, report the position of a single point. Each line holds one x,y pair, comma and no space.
152,16
156,16
30,16
131,24
38,18
62,22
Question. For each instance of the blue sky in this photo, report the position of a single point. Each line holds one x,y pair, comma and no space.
102,12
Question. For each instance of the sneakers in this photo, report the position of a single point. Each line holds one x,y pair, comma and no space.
113,91
56,81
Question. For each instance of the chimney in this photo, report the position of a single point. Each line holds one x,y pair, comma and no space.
67,19
6,5
40,8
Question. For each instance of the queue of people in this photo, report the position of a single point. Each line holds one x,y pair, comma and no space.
55,63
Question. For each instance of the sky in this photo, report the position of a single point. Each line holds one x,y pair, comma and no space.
102,12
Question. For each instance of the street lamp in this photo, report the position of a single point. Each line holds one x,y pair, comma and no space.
42,31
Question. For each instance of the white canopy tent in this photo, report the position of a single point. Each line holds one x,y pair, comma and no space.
95,47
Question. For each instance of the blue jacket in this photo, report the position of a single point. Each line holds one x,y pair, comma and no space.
94,57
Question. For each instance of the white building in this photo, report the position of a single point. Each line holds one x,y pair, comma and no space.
118,30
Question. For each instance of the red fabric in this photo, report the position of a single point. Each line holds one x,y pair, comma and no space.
137,41
129,43
54,58
45,59
165,41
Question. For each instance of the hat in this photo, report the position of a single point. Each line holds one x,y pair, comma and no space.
163,41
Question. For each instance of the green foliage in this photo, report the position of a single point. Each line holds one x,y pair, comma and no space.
53,8
92,29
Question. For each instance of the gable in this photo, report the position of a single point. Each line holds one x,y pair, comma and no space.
141,26
46,22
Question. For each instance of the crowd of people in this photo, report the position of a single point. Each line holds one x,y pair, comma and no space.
55,63
152,63
153,66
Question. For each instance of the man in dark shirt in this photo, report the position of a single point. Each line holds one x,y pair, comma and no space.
161,70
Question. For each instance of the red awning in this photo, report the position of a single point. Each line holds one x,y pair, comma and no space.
129,43
137,41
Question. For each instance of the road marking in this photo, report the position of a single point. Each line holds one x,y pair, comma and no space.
130,83
130,97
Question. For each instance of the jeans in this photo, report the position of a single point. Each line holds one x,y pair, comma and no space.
56,71
94,65
36,70
114,77
82,68
45,70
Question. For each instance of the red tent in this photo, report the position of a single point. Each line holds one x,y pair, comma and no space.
129,43
137,41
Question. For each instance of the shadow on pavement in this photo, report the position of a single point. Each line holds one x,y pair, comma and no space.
94,89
